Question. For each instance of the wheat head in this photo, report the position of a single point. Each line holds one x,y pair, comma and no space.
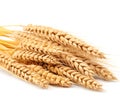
19,35
50,77
24,55
77,64
74,76
21,71
100,70
63,38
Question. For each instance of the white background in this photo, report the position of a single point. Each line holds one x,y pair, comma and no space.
96,21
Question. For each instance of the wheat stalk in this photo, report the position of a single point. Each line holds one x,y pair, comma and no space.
3,48
63,38
21,71
4,31
74,76
52,78
7,43
24,55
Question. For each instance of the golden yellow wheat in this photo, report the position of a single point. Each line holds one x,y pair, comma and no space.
50,77
63,38
43,55
22,71
24,55
74,76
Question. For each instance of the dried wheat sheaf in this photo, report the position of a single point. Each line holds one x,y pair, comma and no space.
44,55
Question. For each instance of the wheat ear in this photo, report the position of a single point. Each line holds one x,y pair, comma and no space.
77,64
19,35
39,47
63,38
52,78
24,55
39,40
74,76
31,45
100,70
21,71
23,35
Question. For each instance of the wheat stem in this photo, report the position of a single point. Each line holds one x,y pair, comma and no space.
4,31
8,44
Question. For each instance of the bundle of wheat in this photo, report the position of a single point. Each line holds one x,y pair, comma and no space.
43,55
